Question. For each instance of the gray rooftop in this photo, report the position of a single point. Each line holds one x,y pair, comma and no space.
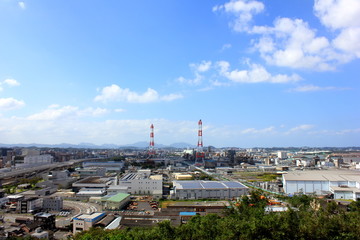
325,175
207,184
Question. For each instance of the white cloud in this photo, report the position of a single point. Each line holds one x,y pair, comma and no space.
293,43
226,46
116,93
126,131
201,67
258,131
243,10
217,83
338,14
302,127
95,112
347,131
171,97
313,88
119,110
10,103
11,82
195,81
197,68
255,74
22,5
344,16
349,41
55,112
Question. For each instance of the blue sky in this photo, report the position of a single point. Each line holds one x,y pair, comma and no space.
258,73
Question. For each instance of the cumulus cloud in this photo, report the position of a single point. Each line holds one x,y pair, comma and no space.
194,81
10,103
338,14
293,43
116,93
22,5
197,69
313,88
255,74
243,10
9,82
201,67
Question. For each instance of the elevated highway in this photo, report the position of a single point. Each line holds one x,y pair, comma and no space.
23,172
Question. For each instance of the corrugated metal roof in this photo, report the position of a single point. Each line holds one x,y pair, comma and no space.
341,175
118,197
207,184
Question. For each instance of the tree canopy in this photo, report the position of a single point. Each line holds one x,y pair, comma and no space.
248,219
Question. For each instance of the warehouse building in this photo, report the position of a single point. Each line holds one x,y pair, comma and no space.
208,189
142,182
344,184
115,202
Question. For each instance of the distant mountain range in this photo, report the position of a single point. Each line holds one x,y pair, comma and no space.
139,145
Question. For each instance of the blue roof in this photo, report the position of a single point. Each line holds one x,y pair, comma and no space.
191,184
234,185
213,184
187,213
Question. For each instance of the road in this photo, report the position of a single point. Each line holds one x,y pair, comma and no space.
81,207
19,172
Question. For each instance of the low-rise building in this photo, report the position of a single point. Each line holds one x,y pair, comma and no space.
46,220
93,183
92,171
208,189
31,205
142,182
86,221
182,176
115,202
343,184
53,203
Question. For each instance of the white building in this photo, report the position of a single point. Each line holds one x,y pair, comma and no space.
344,184
38,159
282,155
33,160
142,183
208,189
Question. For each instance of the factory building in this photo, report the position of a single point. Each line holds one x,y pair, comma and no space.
208,189
141,182
344,184
115,202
